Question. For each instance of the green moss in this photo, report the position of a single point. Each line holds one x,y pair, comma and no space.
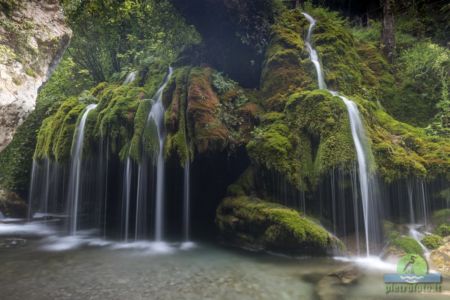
256,223
116,113
432,241
16,158
311,138
443,230
287,66
180,133
140,123
408,245
55,136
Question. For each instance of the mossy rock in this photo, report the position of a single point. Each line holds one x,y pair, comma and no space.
251,222
443,230
206,113
55,136
407,245
116,112
308,140
287,66
432,241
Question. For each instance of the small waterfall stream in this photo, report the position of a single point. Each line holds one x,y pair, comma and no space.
187,200
126,197
363,151
130,77
157,116
76,169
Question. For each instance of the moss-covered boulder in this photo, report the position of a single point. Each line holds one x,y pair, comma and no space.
253,223
443,230
287,66
55,136
402,245
309,139
206,113
432,241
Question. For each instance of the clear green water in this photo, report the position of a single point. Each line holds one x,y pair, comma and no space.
207,271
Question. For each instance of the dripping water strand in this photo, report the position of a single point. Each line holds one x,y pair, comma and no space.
76,169
157,116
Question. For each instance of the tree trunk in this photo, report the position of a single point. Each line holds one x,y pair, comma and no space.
388,30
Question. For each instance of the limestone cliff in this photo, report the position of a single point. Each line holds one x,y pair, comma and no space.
33,37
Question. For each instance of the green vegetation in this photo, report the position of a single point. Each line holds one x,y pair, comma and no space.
432,241
310,139
443,230
118,35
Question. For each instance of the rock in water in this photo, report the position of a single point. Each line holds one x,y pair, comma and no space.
13,243
333,286
260,225
33,37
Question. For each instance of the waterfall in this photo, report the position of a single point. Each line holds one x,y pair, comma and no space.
187,199
363,151
313,53
130,77
157,116
127,197
141,203
31,193
423,195
76,168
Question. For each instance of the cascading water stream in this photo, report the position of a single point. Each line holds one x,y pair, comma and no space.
359,138
157,116
187,199
313,53
32,190
76,168
130,77
127,197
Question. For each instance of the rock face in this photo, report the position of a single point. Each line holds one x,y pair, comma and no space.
33,37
